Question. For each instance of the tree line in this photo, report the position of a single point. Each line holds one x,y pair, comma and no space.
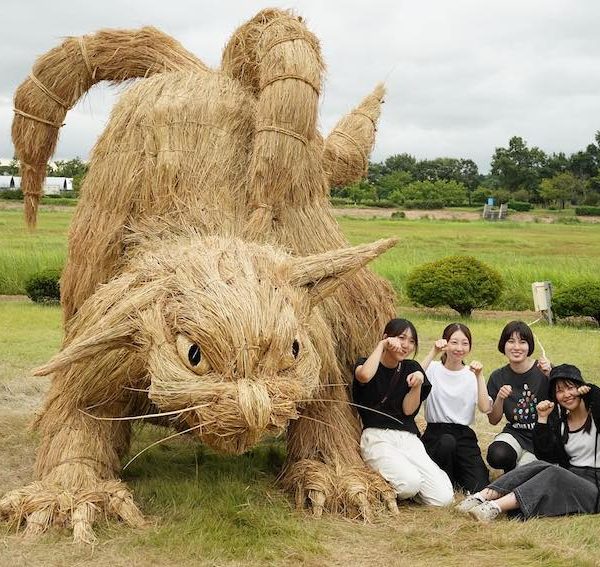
518,173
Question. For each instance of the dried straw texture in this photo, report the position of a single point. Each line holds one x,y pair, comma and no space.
177,147
63,75
347,148
207,282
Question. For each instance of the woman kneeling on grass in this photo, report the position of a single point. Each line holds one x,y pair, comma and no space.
456,389
516,389
565,434
390,388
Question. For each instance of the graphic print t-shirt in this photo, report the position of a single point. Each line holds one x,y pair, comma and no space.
528,390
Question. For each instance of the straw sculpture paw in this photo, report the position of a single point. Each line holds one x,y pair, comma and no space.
207,283
352,491
43,504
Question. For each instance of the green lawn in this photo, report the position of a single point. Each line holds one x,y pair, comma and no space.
522,252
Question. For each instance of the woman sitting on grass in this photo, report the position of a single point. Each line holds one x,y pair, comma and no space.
565,434
516,389
389,388
456,390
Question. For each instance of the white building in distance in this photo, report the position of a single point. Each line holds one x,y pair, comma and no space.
51,185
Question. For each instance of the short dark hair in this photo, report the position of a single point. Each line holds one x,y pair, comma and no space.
522,330
450,330
395,327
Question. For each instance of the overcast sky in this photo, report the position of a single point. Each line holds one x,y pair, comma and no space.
463,76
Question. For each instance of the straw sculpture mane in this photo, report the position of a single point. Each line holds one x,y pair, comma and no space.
207,282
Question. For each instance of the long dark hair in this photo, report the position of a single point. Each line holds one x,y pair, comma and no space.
395,327
450,330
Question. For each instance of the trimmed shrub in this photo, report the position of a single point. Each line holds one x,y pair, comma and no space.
587,211
11,194
379,203
581,300
340,201
520,206
460,282
398,215
43,286
424,205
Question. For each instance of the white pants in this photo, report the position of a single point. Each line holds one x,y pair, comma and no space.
400,458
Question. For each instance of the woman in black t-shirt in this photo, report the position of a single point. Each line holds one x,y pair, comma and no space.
516,389
388,389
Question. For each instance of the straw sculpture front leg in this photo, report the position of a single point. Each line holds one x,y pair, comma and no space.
77,471
324,469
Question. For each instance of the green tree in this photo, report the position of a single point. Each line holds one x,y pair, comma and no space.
518,167
400,162
394,181
69,168
562,187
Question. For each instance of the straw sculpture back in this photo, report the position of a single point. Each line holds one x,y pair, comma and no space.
207,282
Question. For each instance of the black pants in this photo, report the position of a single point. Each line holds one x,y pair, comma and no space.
543,489
454,449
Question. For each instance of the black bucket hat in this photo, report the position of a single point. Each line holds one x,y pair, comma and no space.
563,372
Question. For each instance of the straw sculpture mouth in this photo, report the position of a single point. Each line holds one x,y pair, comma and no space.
231,417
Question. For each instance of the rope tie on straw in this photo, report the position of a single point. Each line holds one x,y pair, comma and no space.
31,166
86,59
48,92
355,143
284,131
366,116
297,77
284,40
37,118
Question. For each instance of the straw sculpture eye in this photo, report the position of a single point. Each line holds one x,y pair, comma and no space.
194,355
295,348
191,354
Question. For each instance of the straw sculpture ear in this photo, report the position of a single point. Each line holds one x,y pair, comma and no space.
63,75
348,146
322,273
101,339
106,321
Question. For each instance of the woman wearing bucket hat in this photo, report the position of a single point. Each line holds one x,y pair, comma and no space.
565,436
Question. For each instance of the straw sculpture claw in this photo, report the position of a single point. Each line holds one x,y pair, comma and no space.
207,283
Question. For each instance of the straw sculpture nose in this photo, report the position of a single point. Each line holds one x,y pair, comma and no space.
255,403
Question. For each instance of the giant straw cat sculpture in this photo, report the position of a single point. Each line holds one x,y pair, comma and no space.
207,280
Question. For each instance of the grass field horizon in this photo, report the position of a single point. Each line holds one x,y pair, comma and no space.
523,252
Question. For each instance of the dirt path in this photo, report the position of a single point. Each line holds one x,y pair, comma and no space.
448,214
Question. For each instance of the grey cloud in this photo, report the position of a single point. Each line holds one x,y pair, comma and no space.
462,76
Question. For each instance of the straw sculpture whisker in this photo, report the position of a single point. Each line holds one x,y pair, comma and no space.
352,404
207,283
189,430
144,416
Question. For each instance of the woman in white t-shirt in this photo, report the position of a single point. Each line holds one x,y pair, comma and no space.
456,390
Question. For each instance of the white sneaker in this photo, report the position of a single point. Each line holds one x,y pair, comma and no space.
485,512
469,502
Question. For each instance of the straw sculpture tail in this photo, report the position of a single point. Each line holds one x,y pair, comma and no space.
207,283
